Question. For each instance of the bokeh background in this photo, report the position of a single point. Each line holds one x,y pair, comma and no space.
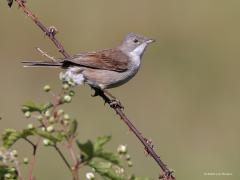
186,97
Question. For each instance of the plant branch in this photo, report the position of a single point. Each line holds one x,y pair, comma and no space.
62,156
32,163
76,162
51,32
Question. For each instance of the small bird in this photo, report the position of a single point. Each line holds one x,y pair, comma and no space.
103,69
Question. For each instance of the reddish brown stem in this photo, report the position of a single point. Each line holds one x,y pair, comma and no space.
50,32
167,173
32,163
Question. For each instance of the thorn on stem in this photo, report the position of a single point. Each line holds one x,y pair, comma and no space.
52,31
114,103
150,144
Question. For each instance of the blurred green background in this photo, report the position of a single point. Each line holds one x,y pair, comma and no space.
186,97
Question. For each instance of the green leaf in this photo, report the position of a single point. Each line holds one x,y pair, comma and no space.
100,142
49,136
104,169
10,2
87,149
11,136
32,107
111,157
73,128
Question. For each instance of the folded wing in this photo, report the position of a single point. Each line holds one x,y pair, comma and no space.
112,60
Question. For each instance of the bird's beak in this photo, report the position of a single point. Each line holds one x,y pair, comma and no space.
150,41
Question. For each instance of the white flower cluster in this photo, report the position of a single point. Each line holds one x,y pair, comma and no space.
7,155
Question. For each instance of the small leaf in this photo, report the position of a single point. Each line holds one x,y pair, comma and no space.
31,107
11,136
48,135
87,149
111,157
100,142
73,128
10,2
104,169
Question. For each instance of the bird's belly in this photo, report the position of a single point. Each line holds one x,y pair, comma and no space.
107,79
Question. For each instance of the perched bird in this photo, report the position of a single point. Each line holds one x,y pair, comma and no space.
103,69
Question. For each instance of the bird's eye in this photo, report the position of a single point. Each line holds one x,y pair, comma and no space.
135,41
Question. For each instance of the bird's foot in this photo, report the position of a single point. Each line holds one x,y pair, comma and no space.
99,92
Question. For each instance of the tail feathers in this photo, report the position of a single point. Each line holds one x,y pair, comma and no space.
41,64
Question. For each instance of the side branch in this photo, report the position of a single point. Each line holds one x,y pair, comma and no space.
51,32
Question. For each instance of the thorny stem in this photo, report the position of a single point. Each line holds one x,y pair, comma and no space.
167,174
50,32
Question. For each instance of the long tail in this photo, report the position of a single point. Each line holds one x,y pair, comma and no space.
42,64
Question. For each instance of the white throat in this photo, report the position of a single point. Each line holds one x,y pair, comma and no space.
136,54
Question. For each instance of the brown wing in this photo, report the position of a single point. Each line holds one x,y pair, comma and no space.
113,60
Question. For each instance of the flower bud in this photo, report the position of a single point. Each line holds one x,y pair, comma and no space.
14,153
51,119
27,114
47,142
25,160
67,98
122,149
30,126
128,157
47,113
65,86
46,88
12,170
8,176
130,164
66,117
50,129
90,176
40,118
71,93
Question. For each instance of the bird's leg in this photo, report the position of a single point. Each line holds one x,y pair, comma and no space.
99,92
107,97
